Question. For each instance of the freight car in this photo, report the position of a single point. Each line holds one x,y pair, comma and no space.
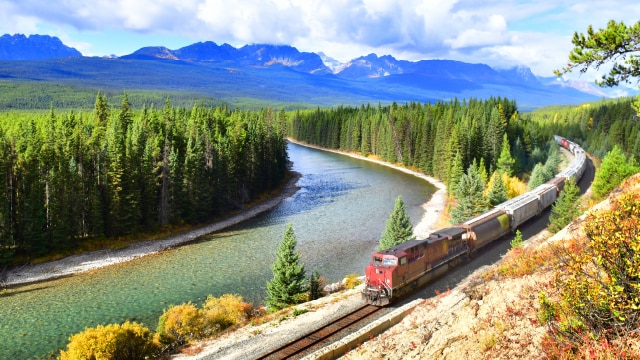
407,266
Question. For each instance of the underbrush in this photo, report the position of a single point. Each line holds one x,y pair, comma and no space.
520,261
595,311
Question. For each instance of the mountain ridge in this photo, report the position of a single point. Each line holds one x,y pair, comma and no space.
34,47
283,73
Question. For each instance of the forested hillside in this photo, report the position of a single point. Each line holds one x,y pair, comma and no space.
428,136
114,172
598,126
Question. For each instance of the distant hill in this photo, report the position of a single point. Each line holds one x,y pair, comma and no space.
34,47
280,74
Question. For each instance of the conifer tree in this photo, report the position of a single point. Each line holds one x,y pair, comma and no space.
469,196
315,286
398,228
538,176
506,161
455,172
613,170
498,192
564,210
482,171
289,278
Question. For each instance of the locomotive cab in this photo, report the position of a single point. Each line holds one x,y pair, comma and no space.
379,278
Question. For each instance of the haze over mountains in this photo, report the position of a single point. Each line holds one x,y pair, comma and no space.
281,73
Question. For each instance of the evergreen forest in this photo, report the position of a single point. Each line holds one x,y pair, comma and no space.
430,137
113,172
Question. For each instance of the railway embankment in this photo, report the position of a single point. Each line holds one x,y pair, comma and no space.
491,314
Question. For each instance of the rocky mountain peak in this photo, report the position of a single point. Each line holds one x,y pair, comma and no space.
34,47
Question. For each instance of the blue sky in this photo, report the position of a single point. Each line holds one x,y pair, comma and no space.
505,33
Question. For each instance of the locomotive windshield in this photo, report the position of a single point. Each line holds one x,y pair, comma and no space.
380,261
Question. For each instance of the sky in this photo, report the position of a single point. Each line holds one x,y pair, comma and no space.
500,33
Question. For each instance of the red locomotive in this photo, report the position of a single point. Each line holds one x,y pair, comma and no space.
407,266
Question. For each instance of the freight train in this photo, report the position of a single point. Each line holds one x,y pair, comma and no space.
407,266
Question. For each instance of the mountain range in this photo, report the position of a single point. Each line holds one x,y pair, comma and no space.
281,73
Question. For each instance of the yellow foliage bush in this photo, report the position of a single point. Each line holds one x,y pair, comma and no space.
225,311
351,281
514,186
126,341
181,324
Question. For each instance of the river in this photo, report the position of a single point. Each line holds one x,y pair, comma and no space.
337,215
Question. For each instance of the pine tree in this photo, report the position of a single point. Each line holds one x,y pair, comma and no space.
289,278
399,228
506,161
498,192
606,46
564,210
315,286
455,172
482,171
469,196
538,176
613,170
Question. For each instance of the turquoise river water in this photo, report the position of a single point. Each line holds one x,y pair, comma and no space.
337,215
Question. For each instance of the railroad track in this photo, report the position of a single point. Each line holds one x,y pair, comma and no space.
298,346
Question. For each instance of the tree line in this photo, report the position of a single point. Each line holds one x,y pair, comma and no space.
427,136
115,172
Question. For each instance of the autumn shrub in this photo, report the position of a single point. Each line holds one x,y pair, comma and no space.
225,311
600,285
181,324
351,281
521,261
514,186
605,284
127,341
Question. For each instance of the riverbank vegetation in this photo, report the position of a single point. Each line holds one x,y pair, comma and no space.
79,177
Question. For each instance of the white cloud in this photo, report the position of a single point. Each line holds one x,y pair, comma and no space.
535,33
490,32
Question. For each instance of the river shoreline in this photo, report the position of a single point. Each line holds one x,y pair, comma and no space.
432,208
76,264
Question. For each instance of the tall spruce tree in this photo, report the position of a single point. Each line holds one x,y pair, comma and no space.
455,172
498,192
399,228
506,162
289,278
564,210
469,196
